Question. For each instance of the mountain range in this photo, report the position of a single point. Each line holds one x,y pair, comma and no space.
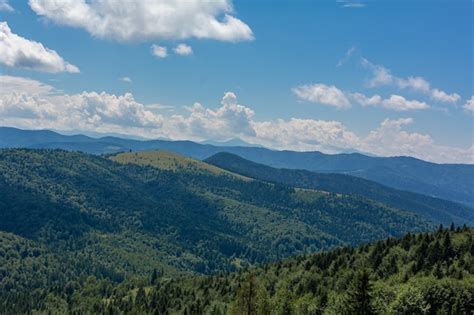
132,212
438,210
453,182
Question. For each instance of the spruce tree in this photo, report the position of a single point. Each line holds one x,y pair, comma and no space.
359,295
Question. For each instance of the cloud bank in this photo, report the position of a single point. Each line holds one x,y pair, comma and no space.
30,104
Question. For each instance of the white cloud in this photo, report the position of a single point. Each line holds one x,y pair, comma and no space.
183,50
389,139
346,57
333,96
5,6
322,94
399,103
19,52
141,20
469,106
395,102
125,79
354,5
364,100
382,76
30,104
445,97
159,51
304,134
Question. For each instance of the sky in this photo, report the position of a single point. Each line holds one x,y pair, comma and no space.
387,78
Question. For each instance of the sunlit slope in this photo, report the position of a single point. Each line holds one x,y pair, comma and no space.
171,161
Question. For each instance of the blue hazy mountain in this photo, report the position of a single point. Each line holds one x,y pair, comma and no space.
447,181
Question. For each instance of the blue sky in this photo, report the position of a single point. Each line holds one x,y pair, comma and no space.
302,74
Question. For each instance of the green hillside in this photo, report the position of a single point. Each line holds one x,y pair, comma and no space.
438,210
429,273
453,182
115,220
170,161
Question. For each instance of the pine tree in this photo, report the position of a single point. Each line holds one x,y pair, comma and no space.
448,251
359,295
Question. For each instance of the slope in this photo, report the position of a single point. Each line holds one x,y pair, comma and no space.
429,273
126,219
437,210
453,182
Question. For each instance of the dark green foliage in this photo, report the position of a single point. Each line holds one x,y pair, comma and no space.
127,219
82,234
359,301
340,281
438,210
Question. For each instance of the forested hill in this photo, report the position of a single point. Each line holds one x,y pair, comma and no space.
439,210
429,273
125,219
447,181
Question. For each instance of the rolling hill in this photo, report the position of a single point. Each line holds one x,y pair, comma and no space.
170,161
437,210
122,219
453,182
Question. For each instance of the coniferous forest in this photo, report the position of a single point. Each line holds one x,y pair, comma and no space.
426,273
158,233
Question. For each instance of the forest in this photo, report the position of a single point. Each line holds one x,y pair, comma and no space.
427,273
157,233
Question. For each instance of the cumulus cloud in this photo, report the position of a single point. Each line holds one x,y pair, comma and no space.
383,76
364,100
5,6
469,106
322,94
305,134
389,139
125,79
399,103
159,51
19,52
333,96
395,102
141,20
30,104
183,50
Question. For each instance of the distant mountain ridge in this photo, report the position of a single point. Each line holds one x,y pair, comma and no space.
447,181
439,210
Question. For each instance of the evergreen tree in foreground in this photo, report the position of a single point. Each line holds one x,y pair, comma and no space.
359,295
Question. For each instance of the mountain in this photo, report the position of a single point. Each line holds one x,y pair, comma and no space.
453,182
429,273
437,210
120,219
235,142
